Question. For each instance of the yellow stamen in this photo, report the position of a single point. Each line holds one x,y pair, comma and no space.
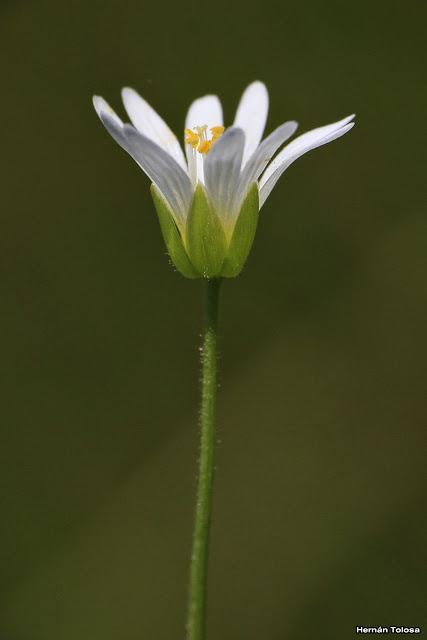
198,137
191,138
217,132
204,146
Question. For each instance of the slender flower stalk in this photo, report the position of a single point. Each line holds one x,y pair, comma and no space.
208,202
196,623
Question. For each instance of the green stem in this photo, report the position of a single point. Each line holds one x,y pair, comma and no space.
196,624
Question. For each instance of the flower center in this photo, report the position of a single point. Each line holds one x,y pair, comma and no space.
202,138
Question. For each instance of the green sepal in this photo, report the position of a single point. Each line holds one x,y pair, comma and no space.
172,237
206,241
243,235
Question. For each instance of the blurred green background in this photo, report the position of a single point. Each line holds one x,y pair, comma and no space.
319,504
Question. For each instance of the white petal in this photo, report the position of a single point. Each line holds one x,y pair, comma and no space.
206,110
305,142
102,106
203,111
148,122
160,167
222,171
262,156
251,116
299,146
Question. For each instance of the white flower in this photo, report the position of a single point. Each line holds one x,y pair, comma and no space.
226,162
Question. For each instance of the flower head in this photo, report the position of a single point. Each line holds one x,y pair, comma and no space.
208,200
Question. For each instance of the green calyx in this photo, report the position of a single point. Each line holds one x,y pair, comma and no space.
172,237
243,235
204,249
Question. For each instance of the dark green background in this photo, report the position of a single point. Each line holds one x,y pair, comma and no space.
319,503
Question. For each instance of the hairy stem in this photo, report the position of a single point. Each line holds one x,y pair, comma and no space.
196,624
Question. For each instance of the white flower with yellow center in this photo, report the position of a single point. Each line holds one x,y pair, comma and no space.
208,202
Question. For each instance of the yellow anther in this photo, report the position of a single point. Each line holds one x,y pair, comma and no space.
191,138
217,132
204,146
198,137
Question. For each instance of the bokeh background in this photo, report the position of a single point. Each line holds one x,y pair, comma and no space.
319,502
